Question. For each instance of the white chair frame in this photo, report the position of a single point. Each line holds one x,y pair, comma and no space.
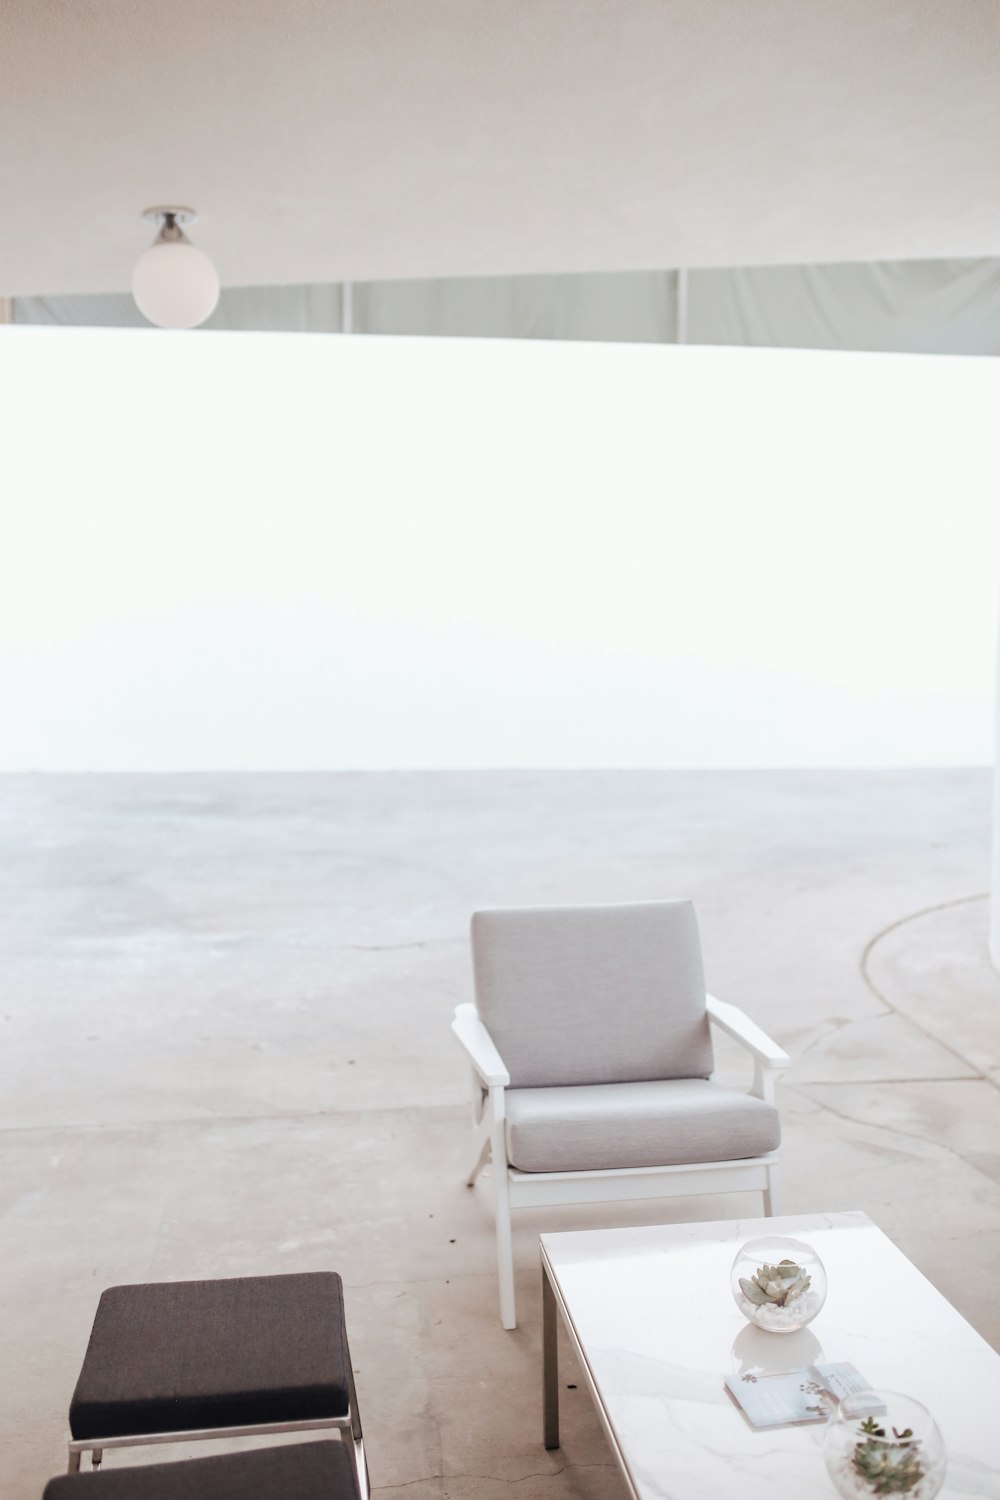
514,1189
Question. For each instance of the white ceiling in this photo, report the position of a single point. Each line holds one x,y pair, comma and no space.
324,140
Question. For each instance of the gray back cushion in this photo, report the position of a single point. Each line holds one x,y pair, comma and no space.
593,994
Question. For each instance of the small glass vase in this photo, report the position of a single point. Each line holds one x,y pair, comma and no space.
778,1284
884,1443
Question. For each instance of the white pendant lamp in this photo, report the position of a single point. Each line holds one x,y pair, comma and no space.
174,283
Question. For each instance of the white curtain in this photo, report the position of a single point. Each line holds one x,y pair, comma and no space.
929,307
913,307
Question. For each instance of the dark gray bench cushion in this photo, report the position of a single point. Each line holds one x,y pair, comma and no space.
187,1355
295,1471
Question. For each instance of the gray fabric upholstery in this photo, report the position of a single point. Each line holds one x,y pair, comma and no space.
593,994
295,1471
608,1126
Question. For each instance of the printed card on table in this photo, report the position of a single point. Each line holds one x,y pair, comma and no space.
794,1396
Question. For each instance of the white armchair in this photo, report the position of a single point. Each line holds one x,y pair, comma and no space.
591,1054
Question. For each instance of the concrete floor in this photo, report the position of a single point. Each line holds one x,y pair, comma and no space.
226,1050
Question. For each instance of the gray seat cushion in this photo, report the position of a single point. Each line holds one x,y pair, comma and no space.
295,1471
187,1355
609,1126
593,994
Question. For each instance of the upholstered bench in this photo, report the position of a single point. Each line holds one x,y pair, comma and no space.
177,1361
295,1471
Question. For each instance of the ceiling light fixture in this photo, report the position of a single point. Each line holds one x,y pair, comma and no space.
174,284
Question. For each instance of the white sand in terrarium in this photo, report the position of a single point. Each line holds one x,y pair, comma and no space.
781,1319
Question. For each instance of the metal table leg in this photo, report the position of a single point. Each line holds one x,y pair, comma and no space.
550,1363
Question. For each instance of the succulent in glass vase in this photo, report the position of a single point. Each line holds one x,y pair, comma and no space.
889,1466
778,1284
884,1443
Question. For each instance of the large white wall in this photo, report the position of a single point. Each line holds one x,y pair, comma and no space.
281,551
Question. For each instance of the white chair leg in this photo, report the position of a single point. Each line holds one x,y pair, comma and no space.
493,1117
772,1193
505,1247
481,1158
480,1130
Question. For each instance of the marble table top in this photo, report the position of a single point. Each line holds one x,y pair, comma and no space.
652,1312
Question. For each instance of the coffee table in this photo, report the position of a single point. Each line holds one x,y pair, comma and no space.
651,1317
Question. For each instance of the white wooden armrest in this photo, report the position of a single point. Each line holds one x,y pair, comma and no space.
737,1024
768,1057
479,1046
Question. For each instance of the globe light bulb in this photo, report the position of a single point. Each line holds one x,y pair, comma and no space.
174,284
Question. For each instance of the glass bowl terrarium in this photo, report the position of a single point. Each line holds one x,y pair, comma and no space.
884,1443
778,1284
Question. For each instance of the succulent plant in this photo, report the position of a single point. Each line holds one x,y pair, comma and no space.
887,1467
775,1286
